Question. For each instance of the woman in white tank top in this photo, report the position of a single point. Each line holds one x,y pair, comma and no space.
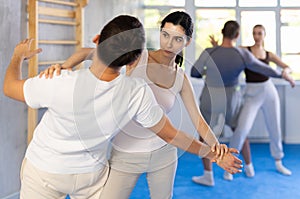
136,150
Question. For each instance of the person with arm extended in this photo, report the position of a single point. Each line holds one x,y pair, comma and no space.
221,94
261,94
67,154
133,147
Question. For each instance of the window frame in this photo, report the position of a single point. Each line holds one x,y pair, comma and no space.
190,7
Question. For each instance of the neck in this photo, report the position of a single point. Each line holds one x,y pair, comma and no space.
258,45
103,72
159,57
228,43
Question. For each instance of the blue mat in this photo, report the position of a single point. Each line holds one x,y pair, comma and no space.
267,183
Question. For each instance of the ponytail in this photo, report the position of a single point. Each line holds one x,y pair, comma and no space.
179,59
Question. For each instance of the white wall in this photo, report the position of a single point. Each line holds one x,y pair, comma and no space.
99,12
12,113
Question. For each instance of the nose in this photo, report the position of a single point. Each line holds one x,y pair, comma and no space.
170,43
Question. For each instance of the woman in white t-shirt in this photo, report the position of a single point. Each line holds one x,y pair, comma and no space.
136,150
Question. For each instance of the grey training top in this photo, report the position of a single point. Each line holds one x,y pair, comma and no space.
222,66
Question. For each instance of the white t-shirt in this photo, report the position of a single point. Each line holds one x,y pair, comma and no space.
136,138
83,114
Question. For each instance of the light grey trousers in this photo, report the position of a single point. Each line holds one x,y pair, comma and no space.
39,184
262,96
221,100
159,165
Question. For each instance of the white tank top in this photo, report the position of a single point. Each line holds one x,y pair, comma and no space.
133,137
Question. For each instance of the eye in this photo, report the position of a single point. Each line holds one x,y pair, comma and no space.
164,34
179,39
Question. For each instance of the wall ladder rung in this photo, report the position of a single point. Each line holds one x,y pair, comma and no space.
64,42
61,22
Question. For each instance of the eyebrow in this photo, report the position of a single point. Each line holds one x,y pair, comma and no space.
177,36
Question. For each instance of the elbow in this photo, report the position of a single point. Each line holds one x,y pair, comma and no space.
5,90
168,140
166,137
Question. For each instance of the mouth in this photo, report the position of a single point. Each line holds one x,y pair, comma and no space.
168,52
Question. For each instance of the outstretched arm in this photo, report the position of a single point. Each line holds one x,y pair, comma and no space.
274,58
203,129
170,134
189,101
13,82
260,67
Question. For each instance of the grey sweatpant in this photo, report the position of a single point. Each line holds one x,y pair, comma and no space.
262,96
159,165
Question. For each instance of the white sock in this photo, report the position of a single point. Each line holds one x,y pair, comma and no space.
249,170
207,179
282,169
228,176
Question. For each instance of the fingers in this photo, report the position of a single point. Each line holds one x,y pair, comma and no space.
223,149
233,150
233,170
220,150
41,74
48,73
33,53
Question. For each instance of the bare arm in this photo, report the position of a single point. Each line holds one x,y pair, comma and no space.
13,82
75,59
274,58
72,61
203,129
167,132
78,57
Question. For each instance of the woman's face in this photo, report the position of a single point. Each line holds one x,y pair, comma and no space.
172,39
258,34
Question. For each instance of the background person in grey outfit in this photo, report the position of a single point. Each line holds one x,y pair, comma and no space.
260,93
222,66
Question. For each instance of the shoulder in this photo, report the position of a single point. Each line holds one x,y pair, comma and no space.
210,49
244,47
133,82
243,51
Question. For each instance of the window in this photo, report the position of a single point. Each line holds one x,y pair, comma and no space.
290,30
215,3
210,22
164,2
257,3
290,3
281,19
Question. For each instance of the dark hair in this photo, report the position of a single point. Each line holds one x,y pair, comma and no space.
185,21
231,29
260,26
121,41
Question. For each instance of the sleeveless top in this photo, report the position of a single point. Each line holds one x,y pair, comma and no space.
254,77
135,138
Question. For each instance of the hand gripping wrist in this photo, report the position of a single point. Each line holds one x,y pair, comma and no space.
206,152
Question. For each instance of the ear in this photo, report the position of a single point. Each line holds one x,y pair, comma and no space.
188,43
237,35
96,39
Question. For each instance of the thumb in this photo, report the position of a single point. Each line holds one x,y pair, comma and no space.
233,150
32,53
